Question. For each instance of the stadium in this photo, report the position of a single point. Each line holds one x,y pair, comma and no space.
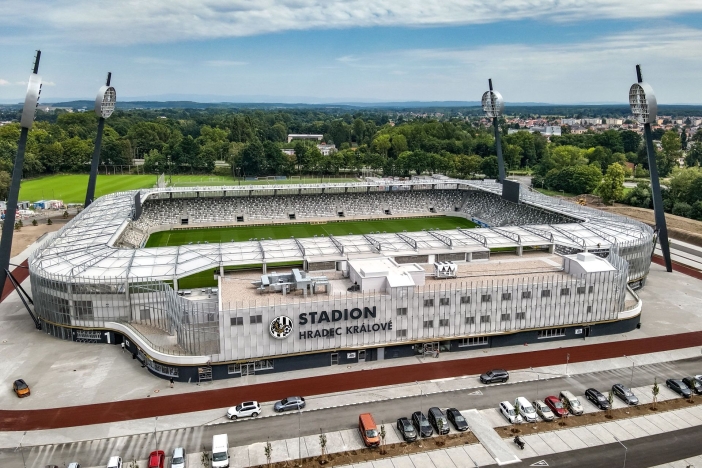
209,283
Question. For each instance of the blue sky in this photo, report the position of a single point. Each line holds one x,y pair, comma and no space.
557,51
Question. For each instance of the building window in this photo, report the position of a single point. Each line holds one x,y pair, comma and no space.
546,293
589,309
162,369
402,311
256,319
565,291
590,289
470,320
89,335
484,319
402,333
264,364
486,298
444,301
552,333
84,309
520,315
443,322
580,290
506,317
428,302
236,321
477,341
465,299
507,296
428,324
526,294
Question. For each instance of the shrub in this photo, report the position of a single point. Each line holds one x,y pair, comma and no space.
682,209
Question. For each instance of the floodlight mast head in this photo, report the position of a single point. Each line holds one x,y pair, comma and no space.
31,100
642,100
106,99
493,104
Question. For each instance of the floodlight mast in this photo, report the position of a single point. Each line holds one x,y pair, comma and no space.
644,107
104,106
493,105
31,101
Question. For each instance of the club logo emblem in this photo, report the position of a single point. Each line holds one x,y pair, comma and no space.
281,327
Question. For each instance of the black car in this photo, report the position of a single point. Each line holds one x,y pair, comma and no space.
457,419
421,423
437,418
597,398
624,394
679,387
494,376
405,427
693,384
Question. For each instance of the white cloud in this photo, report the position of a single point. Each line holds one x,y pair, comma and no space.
4,82
599,70
177,20
156,61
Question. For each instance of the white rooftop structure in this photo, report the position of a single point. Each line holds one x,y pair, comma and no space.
381,274
585,262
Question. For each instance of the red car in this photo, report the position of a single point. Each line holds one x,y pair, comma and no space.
556,406
156,459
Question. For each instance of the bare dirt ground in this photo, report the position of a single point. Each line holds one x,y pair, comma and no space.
28,234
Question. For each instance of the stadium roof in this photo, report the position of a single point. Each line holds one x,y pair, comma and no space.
85,247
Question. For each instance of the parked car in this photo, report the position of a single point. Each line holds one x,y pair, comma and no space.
406,429
421,423
178,458
245,409
21,388
290,403
73,465
494,376
597,398
509,413
114,462
368,430
625,394
693,384
438,420
679,387
527,411
457,419
571,402
556,406
157,459
543,410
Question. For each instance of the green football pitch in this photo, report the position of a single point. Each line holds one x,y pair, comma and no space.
285,231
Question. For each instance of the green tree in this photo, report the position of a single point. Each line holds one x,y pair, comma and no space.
694,154
382,144
51,157
655,391
359,130
253,159
489,167
5,181
468,166
268,451
612,186
631,141
512,155
670,142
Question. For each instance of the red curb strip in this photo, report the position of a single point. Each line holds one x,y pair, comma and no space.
20,273
679,267
54,418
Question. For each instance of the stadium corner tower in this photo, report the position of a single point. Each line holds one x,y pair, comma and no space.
520,267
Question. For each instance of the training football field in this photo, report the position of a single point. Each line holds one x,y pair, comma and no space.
285,231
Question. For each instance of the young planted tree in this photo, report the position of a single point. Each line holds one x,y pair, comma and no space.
49,222
383,434
516,416
610,399
654,391
323,444
268,450
34,222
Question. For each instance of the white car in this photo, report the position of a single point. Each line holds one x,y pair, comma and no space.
178,459
526,411
247,408
508,412
115,462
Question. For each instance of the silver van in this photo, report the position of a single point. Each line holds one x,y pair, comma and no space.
525,409
571,403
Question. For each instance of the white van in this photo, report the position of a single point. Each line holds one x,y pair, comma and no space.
525,409
220,451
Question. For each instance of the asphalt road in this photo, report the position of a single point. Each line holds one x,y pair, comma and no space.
94,453
644,452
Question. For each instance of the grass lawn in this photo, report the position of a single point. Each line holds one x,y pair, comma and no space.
203,180
71,188
285,231
554,193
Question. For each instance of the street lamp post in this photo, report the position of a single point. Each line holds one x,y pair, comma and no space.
494,106
625,450
567,360
644,107
24,463
31,101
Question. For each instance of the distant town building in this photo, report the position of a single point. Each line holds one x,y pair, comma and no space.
304,136
326,150
547,130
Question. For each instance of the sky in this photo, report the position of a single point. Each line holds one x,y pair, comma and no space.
324,51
